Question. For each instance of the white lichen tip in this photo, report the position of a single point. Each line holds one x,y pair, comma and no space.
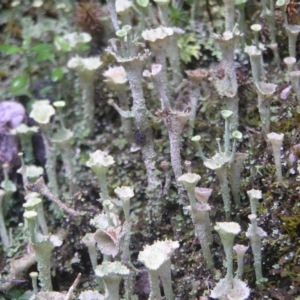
108,240
122,6
256,27
254,194
189,179
37,3
70,41
107,269
89,64
240,249
115,75
162,1
228,227
42,111
99,159
88,295
290,60
295,29
32,203
159,33
23,129
155,70
154,256
252,50
89,240
266,89
226,290
30,214
228,35
275,138
202,194
101,221
124,192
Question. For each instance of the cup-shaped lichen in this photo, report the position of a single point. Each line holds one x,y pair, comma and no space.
99,162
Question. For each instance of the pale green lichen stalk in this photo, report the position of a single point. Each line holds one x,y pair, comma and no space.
99,162
86,68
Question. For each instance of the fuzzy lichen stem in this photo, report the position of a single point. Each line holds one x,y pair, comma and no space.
194,99
50,161
174,58
160,58
264,112
222,176
41,219
126,123
69,168
111,5
87,84
103,185
142,124
43,251
3,232
175,143
235,181
202,231
165,276
229,15
154,285
232,104
112,288
125,258
292,37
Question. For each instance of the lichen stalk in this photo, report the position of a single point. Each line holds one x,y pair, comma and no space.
174,57
126,123
113,13
229,14
154,285
43,251
194,99
134,73
294,75
256,234
292,32
227,232
236,168
3,232
125,258
87,85
240,251
256,63
201,222
50,161
69,169
161,58
225,191
175,122
264,112
276,142
165,276
41,219
112,288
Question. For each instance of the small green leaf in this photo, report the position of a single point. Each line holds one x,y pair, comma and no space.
43,48
57,74
18,83
43,56
10,49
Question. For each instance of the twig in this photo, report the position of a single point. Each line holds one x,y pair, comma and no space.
40,187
